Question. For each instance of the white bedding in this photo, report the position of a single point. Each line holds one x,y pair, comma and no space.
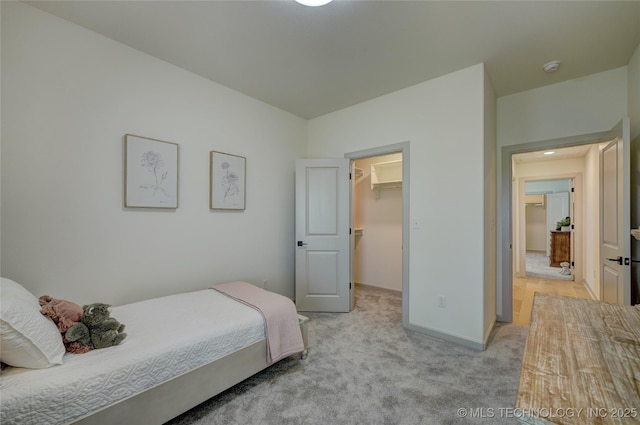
166,337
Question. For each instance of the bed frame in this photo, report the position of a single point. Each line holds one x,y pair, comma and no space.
165,401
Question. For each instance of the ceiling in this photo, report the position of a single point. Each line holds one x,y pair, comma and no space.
312,61
558,153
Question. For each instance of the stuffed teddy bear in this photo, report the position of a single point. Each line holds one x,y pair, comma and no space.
97,328
64,314
78,334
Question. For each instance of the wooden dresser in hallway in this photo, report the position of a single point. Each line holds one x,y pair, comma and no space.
560,248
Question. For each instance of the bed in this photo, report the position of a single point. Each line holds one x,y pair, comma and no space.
180,350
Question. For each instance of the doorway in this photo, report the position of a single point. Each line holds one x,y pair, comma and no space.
547,189
513,257
549,224
549,229
377,220
617,261
378,192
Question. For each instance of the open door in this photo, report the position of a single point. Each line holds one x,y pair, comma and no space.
615,242
572,227
323,268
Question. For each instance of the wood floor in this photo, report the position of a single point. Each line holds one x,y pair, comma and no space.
525,287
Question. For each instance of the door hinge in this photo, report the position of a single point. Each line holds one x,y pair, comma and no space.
573,226
349,285
349,230
573,264
349,176
573,189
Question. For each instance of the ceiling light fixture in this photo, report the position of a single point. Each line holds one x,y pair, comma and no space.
551,66
549,153
313,3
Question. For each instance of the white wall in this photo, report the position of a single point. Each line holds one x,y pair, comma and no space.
536,227
443,121
489,214
68,97
633,79
585,105
0,145
592,220
378,252
547,186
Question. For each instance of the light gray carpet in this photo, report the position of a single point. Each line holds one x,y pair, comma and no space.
365,368
538,266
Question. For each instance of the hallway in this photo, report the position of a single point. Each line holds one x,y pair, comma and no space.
525,287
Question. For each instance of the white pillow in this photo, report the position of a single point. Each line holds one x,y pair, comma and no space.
27,338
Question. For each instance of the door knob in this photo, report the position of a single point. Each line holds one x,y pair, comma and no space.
617,260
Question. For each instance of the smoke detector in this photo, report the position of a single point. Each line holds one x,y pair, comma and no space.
551,66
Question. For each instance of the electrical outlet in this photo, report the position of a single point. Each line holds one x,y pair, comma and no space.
442,301
265,283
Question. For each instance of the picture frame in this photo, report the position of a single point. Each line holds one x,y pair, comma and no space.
227,181
150,173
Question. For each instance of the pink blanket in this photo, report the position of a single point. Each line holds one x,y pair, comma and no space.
280,317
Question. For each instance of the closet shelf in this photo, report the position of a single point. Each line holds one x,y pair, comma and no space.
386,175
358,231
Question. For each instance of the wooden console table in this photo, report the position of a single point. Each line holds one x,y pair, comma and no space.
581,363
560,248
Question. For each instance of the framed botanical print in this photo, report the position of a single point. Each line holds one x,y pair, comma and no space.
150,173
227,175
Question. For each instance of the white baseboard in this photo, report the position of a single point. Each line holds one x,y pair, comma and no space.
395,291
